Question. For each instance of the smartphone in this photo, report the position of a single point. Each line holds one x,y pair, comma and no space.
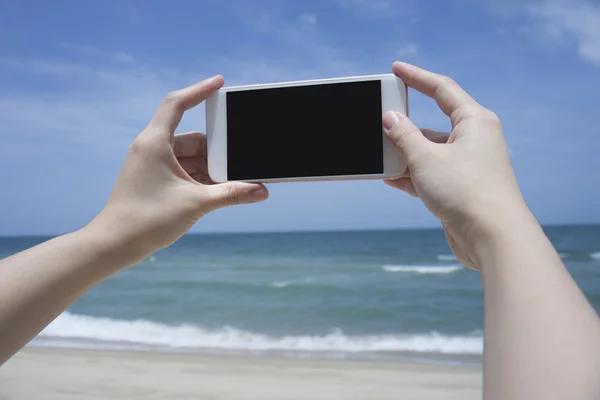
328,129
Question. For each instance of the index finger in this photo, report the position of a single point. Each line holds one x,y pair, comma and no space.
448,94
171,110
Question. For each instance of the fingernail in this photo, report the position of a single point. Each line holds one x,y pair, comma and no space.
391,118
258,194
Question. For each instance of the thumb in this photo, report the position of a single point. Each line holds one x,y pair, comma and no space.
232,193
404,134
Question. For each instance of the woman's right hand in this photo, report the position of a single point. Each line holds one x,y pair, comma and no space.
467,182
164,188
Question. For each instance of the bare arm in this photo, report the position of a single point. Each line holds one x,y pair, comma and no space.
38,284
542,337
162,190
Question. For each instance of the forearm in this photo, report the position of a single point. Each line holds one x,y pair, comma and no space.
38,284
542,337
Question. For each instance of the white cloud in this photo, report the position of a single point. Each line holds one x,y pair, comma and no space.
300,51
99,109
408,49
92,51
570,21
559,22
101,106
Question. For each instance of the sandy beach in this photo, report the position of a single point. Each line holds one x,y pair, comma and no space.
41,374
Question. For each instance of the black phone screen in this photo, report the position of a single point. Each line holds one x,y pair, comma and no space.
305,131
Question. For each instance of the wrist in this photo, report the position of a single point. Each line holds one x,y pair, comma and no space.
110,241
497,232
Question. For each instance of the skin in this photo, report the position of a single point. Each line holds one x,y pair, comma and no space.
162,190
542,337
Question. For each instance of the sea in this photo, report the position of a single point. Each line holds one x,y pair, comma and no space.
384,295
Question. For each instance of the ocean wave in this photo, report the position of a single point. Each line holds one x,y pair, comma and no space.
282,284
595,256
446,257
81,327
423,269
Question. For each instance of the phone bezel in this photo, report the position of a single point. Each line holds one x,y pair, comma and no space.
394,96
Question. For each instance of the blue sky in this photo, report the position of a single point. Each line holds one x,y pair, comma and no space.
79,80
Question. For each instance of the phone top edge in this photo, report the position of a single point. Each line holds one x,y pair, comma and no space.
308,81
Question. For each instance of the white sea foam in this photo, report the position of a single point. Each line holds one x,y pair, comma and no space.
423,269
142,332
282,284
563,255
446,257
595,256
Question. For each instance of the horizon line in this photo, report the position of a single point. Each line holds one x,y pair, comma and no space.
349,230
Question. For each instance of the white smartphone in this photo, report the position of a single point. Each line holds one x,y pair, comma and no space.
329,129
